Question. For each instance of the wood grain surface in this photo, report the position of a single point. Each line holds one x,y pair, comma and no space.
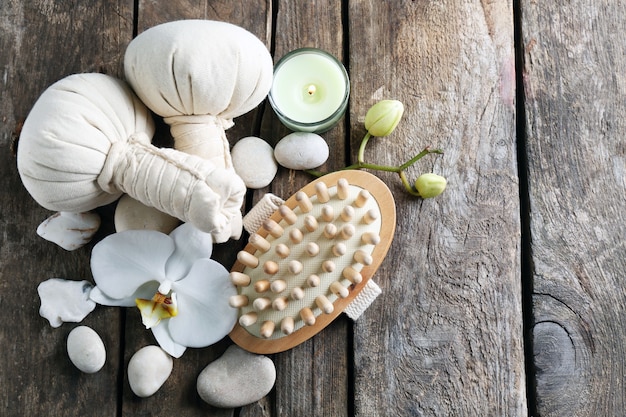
574,90
447,332
504,296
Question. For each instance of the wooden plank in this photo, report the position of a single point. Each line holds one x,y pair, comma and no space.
574,86
312,378
179,396
41,42
445,337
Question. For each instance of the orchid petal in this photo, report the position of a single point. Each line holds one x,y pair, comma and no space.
191,244
204,315
163,338
147,290
124,261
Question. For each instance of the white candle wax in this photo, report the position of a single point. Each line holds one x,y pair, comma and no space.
310,90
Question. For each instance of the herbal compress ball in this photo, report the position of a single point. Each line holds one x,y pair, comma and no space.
199,75
87,141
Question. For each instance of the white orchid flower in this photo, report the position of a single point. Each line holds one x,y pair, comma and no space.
182,293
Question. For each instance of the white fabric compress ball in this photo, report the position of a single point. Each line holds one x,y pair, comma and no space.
87,141
199,75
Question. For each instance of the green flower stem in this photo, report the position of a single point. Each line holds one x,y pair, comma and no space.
409,188
387,168
361,155
417,157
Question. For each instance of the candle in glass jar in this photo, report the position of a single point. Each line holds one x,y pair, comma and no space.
310,90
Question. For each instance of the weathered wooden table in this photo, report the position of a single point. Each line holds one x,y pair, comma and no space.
505,296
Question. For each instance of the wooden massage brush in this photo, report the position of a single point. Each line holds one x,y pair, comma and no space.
310,259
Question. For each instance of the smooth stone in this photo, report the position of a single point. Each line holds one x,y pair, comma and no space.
301,150
69,230
148,370
64,300
253,160
236,379
86,349
131,214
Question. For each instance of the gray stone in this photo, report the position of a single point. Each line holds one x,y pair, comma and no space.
236,379
301,150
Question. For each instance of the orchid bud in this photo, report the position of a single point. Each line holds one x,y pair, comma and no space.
430,185
383,117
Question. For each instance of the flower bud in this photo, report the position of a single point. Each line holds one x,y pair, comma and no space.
383,117
430,185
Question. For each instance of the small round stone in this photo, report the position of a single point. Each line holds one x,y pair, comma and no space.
236,379
301,150
148,370
253,160
86,349
131,214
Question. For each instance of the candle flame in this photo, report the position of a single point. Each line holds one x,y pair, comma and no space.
311,90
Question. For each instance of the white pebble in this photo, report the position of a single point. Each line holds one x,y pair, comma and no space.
86,349
236,379
65,301
131,214
69,230
253,160
148,370
301,150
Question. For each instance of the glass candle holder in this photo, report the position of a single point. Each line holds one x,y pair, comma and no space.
310,90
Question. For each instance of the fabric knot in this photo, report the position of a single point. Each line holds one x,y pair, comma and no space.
119,153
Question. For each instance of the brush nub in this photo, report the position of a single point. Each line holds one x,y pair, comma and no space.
273,228
297,293
307,316
347,214
267,329
324,304
362,198
370,216
270,267
262,303
296,236
347,231
259,242
312,249
304,202
280,303
328,266
328,214
278,286
313,281
330,231
288,215
339,289
310,223
282,250
339,249
238,300
261,286
247,259
248,319
343,188
352,275
287,325
370,238
362,257
239,279
322,192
